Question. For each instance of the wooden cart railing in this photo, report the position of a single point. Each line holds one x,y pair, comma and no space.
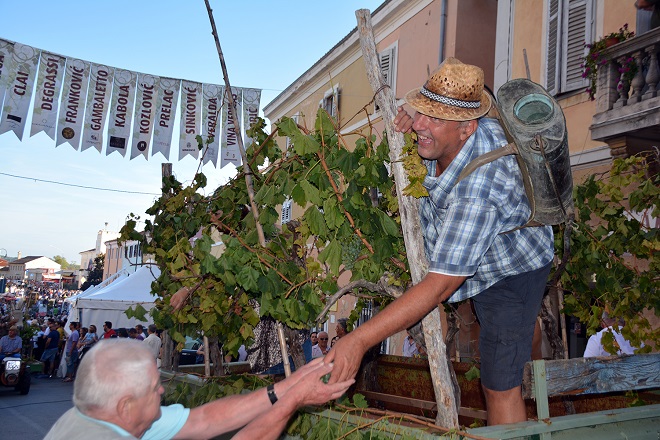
582,376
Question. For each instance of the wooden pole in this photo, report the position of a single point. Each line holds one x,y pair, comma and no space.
241,147
207,357
246,165
412,231
167,352
285,352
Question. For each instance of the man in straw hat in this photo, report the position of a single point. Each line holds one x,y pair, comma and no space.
471,241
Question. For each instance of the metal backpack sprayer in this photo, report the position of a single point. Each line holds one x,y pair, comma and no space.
535,127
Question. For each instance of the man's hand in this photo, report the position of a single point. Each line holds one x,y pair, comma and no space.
403,122
346,355
307,387
178,300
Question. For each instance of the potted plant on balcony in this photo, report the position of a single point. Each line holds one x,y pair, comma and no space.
595,59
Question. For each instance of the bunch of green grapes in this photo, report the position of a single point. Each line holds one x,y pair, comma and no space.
350,251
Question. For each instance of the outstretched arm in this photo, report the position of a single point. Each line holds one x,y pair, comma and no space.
405,311
310,390
304,387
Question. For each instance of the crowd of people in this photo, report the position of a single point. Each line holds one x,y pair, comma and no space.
55,347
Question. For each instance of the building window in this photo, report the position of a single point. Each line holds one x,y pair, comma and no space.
570,26
387,61
366,314
286,212
296,119
330,101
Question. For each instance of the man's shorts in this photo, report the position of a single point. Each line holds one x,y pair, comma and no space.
49,355
507,314
71,361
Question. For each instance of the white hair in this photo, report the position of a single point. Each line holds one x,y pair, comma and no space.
111,370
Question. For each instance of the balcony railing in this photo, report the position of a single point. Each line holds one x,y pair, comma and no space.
629,108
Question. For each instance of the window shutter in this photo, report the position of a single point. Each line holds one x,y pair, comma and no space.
553,44
386,61
578,32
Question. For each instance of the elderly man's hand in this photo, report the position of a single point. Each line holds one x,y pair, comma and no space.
346,355
403,122
308,388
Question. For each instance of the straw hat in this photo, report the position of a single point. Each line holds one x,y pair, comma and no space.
454,92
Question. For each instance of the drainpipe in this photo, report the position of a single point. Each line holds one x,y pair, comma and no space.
443,30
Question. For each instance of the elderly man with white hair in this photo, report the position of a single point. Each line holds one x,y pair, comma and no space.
117,394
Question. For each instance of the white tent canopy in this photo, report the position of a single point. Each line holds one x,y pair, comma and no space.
110,302
93,289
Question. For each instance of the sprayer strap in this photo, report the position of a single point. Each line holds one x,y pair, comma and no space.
506,150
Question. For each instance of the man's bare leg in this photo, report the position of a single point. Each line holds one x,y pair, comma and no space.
505,406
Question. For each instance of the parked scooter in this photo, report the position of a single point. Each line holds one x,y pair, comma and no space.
14,372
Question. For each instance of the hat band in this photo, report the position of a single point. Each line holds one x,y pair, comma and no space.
449,101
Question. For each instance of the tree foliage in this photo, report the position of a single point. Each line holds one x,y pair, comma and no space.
614,252
350,221
96,274
64,263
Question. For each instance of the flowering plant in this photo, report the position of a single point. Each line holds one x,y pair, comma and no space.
595,59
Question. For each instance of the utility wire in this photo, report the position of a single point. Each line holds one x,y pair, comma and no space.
79,186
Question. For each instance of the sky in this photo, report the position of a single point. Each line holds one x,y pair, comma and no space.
266,45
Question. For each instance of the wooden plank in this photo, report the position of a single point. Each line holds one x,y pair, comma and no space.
601,425
422,404
596,375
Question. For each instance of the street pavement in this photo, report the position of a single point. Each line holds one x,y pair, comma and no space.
30,417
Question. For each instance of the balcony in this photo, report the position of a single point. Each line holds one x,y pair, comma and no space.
627,115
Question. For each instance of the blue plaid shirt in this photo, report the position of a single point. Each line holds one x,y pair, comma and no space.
462,222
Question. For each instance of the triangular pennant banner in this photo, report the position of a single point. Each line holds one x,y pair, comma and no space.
211,121
168,97
121,111
191,106
72,105
47,94
20,83
98,102
145,110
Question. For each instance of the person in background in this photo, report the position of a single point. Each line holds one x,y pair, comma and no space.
140,332
410,347
108,332
41,341
93,334
342,328
474,239
314,337
595,345
153,342
71,352
321,349
11,344
50,349
84,331
87,339
117,394
132,333
122,333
